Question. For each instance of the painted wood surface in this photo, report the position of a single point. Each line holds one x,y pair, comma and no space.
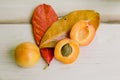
20,11
98,61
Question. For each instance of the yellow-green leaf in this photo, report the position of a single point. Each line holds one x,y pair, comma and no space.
60,29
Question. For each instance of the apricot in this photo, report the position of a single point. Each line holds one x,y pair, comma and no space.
67,51
27,54
83,32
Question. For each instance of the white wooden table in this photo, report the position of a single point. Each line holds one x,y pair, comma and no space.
98,61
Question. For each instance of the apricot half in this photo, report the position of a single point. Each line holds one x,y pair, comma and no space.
83,32
67,51
27,54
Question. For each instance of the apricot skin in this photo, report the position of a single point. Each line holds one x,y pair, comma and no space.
27,54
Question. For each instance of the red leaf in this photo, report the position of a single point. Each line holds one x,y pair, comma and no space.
43,17
46,54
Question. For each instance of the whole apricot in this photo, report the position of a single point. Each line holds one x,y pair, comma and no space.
27,54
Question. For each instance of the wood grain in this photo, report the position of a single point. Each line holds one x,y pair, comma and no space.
98,61
20,11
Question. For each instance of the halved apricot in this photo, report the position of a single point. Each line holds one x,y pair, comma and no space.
67,51
83,32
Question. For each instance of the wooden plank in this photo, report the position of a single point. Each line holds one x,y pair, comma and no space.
98,61
20,11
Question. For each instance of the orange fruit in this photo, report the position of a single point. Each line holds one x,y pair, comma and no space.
83,32
27,54
66,51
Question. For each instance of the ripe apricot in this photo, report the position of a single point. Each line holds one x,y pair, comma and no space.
27,54
67,51
83,32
